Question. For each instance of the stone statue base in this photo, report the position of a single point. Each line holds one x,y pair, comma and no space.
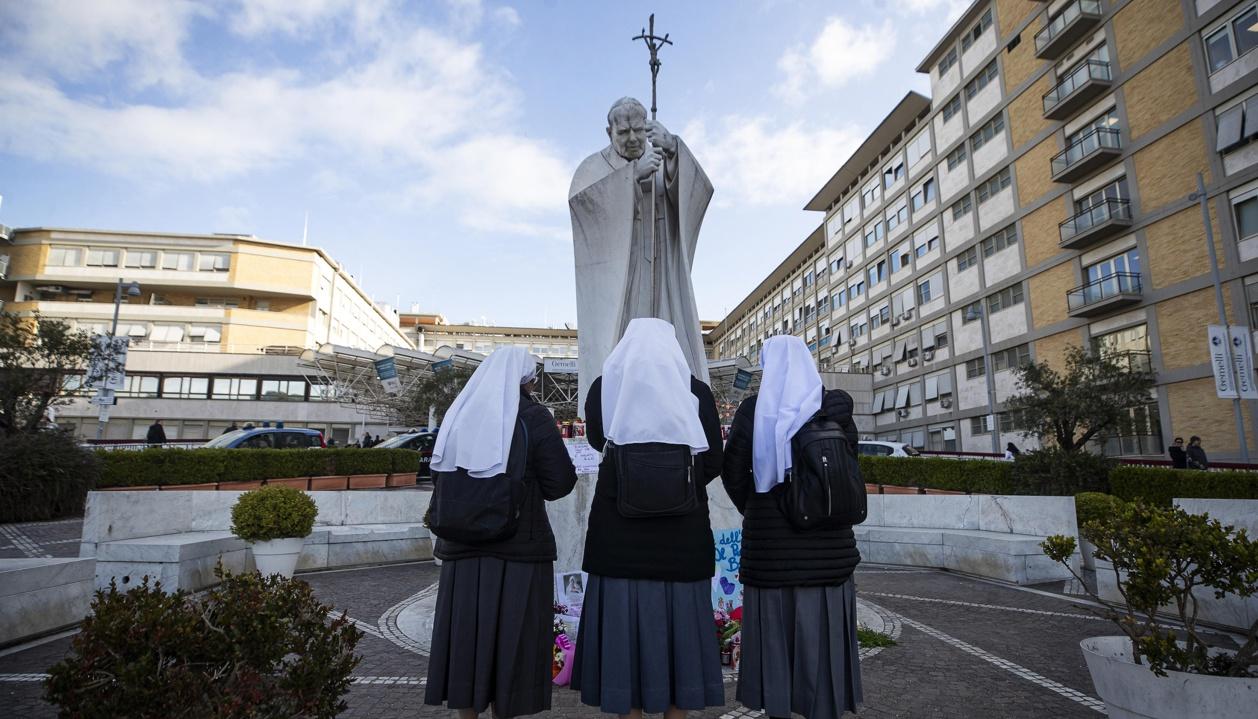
570,515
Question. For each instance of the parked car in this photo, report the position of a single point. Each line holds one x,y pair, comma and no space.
421,442
269,438
887,449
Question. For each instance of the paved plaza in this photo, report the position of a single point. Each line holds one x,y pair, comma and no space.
965,647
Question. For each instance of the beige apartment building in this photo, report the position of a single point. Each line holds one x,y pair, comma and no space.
1042,198
215,331
428,332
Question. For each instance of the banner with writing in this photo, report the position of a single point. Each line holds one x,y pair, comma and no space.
727,588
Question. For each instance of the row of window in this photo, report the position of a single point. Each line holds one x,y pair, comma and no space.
63,256
210,387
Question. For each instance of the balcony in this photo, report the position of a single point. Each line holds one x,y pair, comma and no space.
1074,91
1069,26
1095,223
4,267
5,232
1088,154
1104,295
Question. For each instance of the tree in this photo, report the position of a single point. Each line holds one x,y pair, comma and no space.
1091,397
437,391
37,356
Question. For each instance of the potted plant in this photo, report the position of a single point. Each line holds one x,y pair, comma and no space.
275,521
1091,507
1164,557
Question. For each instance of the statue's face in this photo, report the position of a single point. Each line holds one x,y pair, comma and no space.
628,133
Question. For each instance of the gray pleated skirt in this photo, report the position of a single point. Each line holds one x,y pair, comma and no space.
647,645
492,637
799,651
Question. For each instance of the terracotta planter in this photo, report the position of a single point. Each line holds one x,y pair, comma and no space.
402,479
206,486
301,483
128,489
237,486
368,481
324,484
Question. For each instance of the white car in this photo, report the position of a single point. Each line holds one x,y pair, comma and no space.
887,449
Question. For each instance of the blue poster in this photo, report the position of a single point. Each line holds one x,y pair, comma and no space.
727,588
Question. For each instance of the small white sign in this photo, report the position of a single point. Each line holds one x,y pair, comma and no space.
104,413
584,457
1243,361
559,365
1221,362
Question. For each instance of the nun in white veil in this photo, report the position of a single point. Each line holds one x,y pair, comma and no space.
799,652
492,638
646,640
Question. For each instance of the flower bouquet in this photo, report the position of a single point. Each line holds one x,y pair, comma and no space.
729,635
562,651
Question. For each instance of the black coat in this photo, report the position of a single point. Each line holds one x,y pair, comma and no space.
1197,457
156,435
775,554
669,549
548,475
1179,458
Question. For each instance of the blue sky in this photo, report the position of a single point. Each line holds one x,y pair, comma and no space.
432,142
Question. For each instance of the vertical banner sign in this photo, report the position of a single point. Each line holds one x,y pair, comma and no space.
1243,361
106,368
742,379
727,587
1221,362
386,371
442,366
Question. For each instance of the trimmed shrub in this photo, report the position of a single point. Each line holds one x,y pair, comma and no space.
363,461
158,466
1095,506
1055,472
1159,485
253,646
959,475
273,513
44,475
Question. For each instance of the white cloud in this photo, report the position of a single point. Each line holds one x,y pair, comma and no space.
233,218
840,53
753,161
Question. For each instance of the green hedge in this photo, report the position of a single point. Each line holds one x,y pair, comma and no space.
44,475
157,466
1159,485
980,476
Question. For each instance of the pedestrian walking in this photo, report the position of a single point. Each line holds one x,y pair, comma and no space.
1011,452
1197,454
799,649
492,630
1179,458
156,433
647,641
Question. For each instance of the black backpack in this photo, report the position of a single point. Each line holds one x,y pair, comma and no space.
823,489
654,479
480,510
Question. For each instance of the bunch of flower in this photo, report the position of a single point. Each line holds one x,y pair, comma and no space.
729,631
562,650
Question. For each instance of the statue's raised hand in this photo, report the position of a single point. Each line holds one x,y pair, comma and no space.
650,163
661,137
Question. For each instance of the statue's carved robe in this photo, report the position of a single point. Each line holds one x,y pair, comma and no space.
618,275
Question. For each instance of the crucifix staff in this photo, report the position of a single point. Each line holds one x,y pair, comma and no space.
653,44
659,208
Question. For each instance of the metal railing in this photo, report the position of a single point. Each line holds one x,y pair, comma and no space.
1103,288
1064,19
1100,138
1087,71
1107,210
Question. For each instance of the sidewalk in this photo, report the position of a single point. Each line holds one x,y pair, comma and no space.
965,649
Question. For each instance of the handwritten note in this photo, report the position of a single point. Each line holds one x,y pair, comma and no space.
584,457
727,588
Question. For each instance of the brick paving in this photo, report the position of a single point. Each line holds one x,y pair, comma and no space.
58,538
964,651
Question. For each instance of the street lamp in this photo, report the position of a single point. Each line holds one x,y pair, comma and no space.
975,312
106,366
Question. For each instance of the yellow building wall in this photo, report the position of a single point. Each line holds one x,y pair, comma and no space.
26,260
1177,247
1040,236
1195,410
1141,26
1161,91
1010,13
1021,62
281,271
1182,327
1026,112
1034,170
1052,349
1048,294
249,338
1166,170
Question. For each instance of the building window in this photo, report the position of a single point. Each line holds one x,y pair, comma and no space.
167,334
65,257
214,262
1005,298
998,182
897,216
1011,358
925,243
869,196
283,389
851,210
956,157
971,313
186,387
975,368
967,259
1236,125
874,234
1116,190
947,61
924,193
918,148
989,130
856,290
961,207
1005,238
182,261
97,257
877,272
892,174
1245,210
924,292
809,279
980,81
139,386
1010,421
1236,37
1104,122
234,388
144,259
952,107
976,32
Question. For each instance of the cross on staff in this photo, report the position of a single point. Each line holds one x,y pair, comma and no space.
653,44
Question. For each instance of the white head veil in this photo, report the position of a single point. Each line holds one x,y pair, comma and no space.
646,389
477,429
790,394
